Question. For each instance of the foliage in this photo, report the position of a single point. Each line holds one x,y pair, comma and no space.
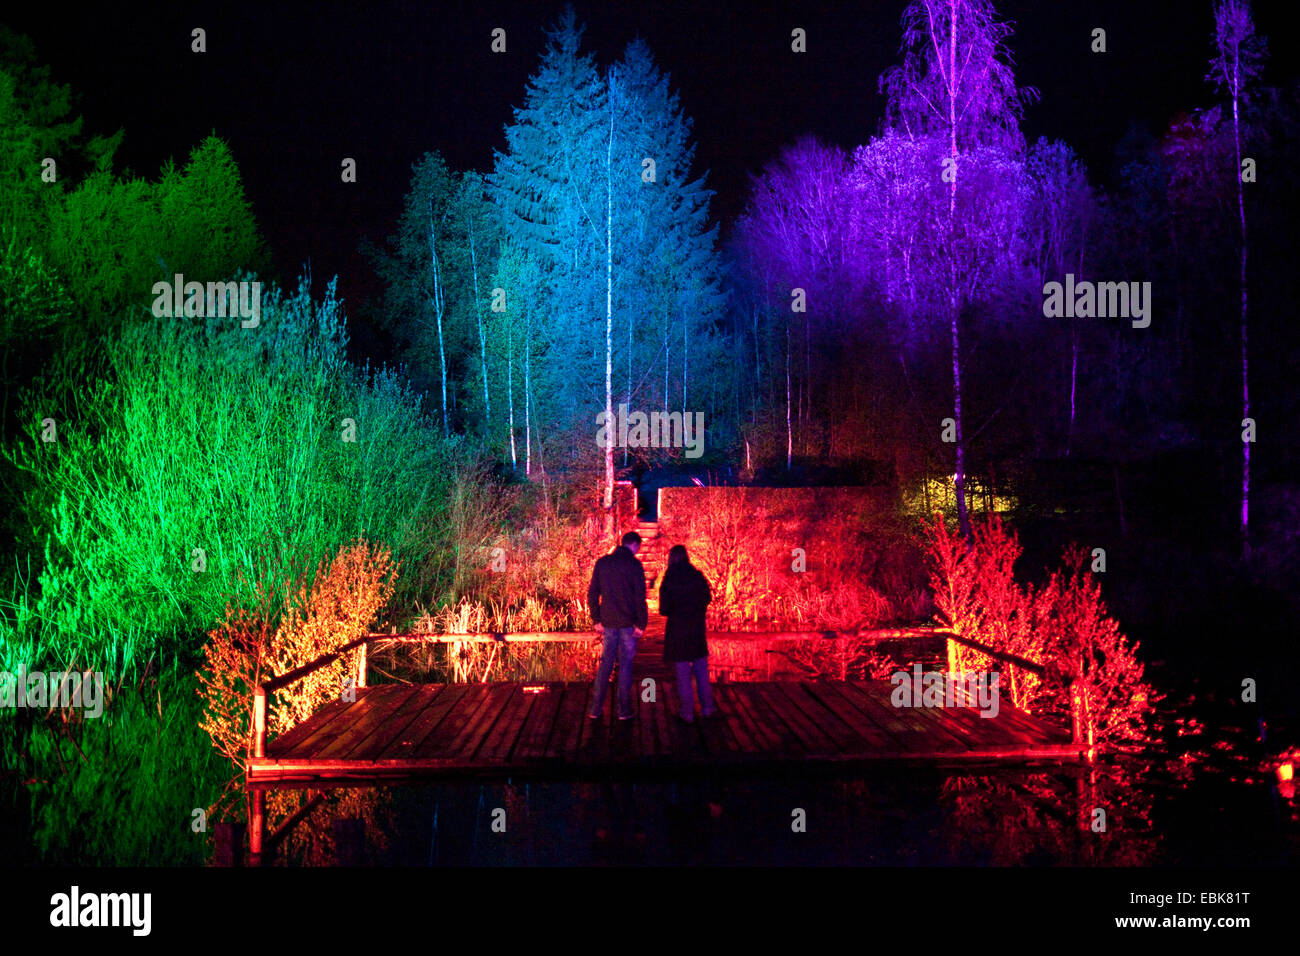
286,625
1086,644
119,790
254,426
928,91
1062,626
854,573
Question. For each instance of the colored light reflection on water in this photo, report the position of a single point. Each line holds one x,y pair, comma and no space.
1208,805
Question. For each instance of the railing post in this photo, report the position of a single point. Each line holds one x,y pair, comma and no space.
257,826
1076,713
259,722
361,666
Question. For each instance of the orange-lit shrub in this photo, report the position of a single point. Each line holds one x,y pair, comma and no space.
287,624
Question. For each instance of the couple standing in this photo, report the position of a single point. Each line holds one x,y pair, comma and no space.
617,601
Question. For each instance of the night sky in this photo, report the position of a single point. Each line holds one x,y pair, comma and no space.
293,89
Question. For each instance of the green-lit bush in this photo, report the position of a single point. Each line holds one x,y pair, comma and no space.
206,442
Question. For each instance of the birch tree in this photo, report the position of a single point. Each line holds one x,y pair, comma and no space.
1235,67
955,81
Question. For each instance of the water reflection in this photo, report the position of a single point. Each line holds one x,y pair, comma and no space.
1206,791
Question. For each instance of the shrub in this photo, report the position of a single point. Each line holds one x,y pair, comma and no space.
208,441
283,627
1063,626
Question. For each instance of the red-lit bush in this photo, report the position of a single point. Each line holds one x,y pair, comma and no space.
1063,626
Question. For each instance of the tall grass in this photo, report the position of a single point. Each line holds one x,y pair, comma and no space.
208,443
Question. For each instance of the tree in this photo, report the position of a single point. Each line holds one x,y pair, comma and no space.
797,228
956,81
552,188
423,262
1060,215
670,274
482,236
1235,66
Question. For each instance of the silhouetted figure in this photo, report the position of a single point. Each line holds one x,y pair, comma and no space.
617,601
683,595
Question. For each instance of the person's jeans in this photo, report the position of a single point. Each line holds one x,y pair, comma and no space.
700,668
620,641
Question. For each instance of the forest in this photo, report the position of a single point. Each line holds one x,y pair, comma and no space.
1023,356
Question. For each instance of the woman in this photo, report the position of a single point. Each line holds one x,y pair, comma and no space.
683,596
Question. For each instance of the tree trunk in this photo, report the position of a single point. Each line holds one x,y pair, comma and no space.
510,392
954,301
789,432
609,319
438,303
1245,365
528,394
482,338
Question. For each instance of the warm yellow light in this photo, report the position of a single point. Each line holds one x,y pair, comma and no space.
939,494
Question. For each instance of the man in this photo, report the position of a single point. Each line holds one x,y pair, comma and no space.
616,598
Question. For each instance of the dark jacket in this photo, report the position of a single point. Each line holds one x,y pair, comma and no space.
616,596
683,596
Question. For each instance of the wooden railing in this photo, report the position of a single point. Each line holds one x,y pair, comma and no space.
263,691
1048,674
257,822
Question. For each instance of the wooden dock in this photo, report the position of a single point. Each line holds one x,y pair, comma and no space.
398,733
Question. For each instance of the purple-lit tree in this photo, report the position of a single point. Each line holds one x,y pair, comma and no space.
895,218
796,234
956,82
1235,66
1060,215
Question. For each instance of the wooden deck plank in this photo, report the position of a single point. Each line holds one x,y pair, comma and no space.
842,733
980,731
765,738
477,731
471,737
877,707
326,732
384,702
537,729
569,718
504,736
937,723
647,738
920,720
1028,726
813,724
730,714
295,735
391,729
407,744
874,737
719,742
779,711
593,742
670,730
